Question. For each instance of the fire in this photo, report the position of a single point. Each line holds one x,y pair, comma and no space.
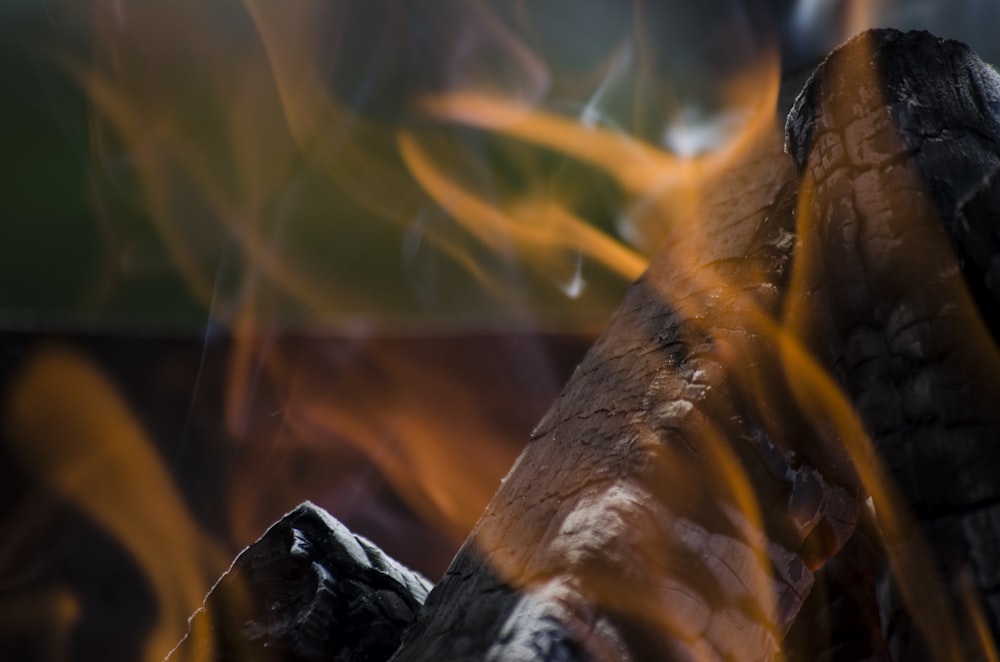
232,192
261,173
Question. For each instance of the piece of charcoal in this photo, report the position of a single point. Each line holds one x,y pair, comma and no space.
308,589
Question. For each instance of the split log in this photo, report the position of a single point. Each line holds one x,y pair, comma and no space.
709,462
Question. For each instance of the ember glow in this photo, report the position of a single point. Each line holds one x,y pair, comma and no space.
416,172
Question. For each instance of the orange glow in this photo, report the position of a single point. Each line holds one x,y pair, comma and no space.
439,447
278,119
69,428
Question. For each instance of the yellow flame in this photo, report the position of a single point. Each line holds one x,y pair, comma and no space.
68,427
543,225
668,186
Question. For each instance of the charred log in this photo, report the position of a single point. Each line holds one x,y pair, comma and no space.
898,139
307,590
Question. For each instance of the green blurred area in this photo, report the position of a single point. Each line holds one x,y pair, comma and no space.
58,261
187,195
82,247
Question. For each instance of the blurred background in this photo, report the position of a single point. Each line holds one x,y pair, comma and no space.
254,253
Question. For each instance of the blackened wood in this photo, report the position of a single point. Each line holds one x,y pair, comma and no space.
308,589
898,138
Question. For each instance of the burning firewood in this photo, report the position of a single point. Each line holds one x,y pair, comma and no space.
822,336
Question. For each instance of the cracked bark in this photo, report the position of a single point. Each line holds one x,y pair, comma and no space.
690,495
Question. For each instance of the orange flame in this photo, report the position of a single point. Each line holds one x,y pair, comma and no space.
68,426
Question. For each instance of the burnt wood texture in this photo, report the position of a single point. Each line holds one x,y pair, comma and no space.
307,590
898,139
784,444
